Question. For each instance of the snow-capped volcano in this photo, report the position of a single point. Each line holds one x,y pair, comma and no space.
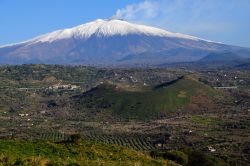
110,42
102,28
105,28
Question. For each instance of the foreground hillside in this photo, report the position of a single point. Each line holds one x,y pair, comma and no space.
81,153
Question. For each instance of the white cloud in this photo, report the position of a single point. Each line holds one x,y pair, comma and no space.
201,18
177,13
146,9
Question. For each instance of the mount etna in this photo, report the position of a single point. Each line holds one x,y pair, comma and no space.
115,42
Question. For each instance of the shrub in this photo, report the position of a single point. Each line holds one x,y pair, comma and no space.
19,162
75,138
177,156
197,158
156,154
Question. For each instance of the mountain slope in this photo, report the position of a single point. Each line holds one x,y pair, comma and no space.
217,57
109,42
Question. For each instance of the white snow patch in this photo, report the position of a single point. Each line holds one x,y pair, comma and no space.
102,28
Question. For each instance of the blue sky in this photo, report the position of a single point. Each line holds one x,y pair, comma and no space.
226,21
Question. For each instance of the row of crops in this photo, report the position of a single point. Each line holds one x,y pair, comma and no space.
54,136
136,142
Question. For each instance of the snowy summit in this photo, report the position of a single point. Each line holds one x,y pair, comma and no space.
108,27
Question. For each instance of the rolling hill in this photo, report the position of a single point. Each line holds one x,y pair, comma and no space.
145,103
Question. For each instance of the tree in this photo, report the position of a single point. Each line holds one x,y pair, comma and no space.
75,138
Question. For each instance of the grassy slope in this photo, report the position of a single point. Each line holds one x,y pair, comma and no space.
84,153
143,104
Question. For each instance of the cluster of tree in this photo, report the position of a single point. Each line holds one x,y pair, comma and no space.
187,157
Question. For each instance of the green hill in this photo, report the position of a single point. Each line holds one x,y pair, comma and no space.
83,153
145,103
